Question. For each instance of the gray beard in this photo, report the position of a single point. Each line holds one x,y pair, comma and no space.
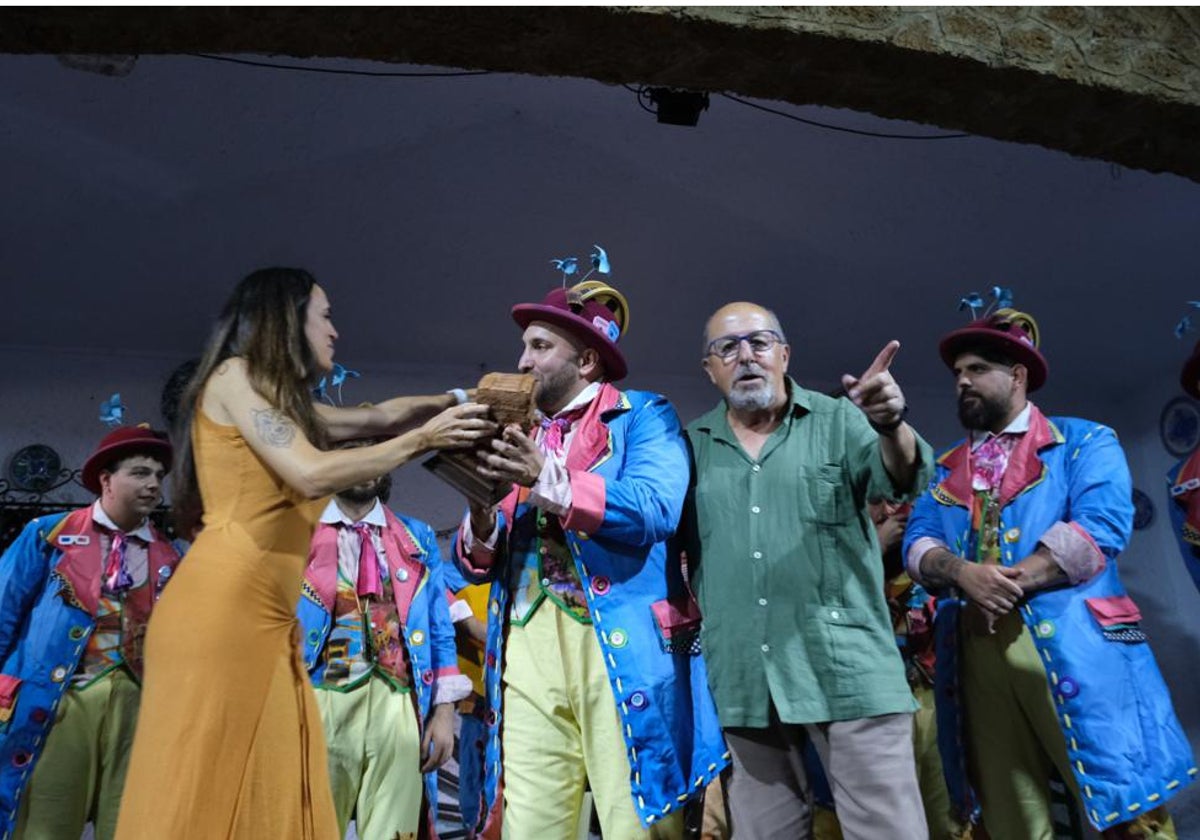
759,399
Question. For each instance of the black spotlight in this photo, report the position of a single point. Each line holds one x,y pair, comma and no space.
677,107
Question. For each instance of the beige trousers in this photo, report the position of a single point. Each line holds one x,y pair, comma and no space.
871,771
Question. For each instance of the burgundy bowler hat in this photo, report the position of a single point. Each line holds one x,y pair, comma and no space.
593,312
1191,372
1011,332
122,442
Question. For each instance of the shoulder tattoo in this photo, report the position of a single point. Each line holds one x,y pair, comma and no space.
274,428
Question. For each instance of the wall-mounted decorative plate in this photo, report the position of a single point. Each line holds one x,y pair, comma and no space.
35,468
1143,510
1179,426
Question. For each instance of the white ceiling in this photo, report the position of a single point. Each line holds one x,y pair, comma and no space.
426,207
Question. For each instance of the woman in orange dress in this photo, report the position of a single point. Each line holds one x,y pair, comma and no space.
229,741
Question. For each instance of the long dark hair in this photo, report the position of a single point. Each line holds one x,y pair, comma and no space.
262,322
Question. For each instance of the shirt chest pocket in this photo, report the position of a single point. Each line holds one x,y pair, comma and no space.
822,495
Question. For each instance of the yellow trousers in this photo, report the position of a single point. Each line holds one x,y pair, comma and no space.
81,772
934,795
561,731
374,746
1014,739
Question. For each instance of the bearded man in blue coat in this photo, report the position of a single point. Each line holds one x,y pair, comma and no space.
593,667
1042,665
379,647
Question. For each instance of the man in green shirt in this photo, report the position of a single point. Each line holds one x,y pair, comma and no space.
797,633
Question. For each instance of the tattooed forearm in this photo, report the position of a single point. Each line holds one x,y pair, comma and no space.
940,568
1040,571
274,428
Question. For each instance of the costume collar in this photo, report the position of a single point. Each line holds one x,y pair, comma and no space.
101,518
78,567
1024,466
579,402
591,443
334,515
581,399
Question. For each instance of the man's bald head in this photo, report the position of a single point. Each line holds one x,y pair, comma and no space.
746,357
736,312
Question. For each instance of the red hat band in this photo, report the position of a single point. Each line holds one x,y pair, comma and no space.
1013,333
122,442
593,312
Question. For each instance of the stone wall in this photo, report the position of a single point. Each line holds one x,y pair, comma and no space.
1150,51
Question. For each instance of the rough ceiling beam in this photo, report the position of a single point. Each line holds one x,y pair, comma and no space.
1118,84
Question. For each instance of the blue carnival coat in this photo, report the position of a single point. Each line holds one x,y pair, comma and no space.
1125,744
49,588
1189,552
628,450
415,567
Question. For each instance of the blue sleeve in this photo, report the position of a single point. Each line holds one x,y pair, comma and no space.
642,505
441,629
24,568
452,575
1100,490
925,520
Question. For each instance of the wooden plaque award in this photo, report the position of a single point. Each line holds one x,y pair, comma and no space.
510,396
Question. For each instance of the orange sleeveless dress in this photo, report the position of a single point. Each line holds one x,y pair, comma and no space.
229,741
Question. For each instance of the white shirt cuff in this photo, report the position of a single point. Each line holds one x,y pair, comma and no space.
451,689
470,544
552,490
459,610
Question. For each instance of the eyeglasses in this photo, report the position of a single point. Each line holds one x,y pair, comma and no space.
727,346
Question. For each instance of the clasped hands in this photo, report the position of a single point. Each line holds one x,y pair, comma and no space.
992,589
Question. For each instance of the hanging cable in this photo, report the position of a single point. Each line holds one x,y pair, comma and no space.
828,127
337,71
641,91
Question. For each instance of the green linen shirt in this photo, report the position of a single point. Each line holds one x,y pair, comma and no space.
787,566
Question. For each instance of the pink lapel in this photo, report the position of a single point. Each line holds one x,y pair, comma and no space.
320,574
401,557
80,564
591,441
1024,465
956,486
